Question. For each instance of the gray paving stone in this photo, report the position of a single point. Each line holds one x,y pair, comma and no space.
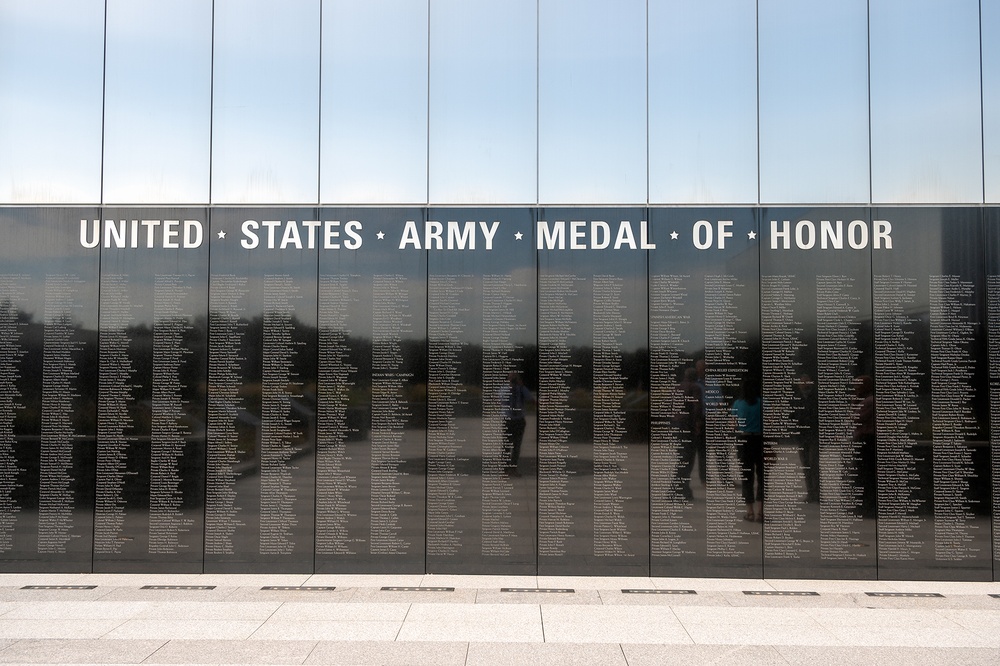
356,612
75,610
746,616
192,628
389,654
748,634
830,586
483,622
880,617
612,624
913,636
887,656
329,630
207,610
699,655
78,651
56,628
552,654
182,651
768,601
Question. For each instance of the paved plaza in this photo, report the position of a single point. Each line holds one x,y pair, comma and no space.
478,620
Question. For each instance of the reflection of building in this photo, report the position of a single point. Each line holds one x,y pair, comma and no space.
422,110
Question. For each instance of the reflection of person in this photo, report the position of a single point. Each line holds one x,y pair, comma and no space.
691,422
746,410
711,400
805,388
513,396
864,434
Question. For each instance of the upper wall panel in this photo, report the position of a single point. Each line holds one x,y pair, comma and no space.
51,79
925,101
702,101
265,120
483,102
813,101
592,101
572,102
157,138
374,115
991,98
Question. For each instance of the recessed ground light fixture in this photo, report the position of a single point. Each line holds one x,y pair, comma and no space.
779,593
540,590
59,587
908,595
654,591
300,588
177,587
391,588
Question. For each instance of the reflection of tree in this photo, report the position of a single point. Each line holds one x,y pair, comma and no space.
29,367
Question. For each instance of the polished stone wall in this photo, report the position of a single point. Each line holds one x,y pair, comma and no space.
501,390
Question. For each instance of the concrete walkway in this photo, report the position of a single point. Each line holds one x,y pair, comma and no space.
492,620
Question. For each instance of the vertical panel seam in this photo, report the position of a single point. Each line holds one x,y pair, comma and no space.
211,108
868,41
319,120
104,103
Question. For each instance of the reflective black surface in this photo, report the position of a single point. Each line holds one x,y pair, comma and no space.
818,389
482,387
48,390
704,355
991,225
371,449
152,390
262,369
593,367
931,396
786,392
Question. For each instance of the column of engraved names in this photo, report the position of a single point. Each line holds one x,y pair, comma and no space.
501,356
114,422
993,326
223,516
952,310
391,321
897,376
781,338
337,481
668,335
556,328
839,453
446,327
171,321
280,385
12,288
60,371
611,531
724,340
